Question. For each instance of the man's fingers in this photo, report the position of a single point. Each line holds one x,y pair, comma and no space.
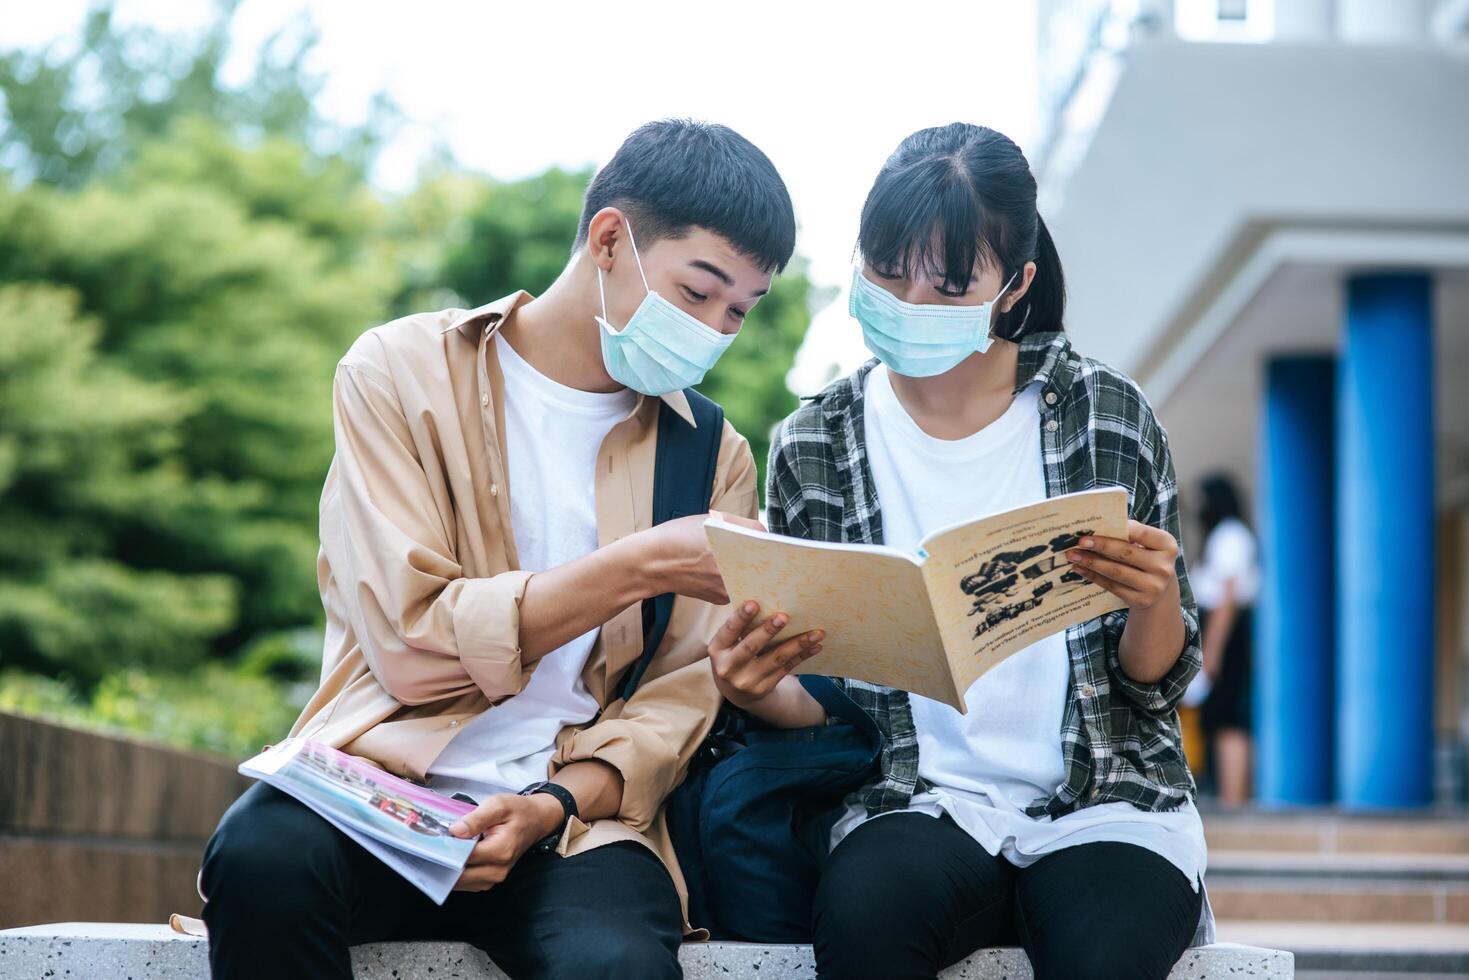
475,822
481,878
495,849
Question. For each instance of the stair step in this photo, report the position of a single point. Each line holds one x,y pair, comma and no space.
1358,949
1338,901
1232,865
1327,831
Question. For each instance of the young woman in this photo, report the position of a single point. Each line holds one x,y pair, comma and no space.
1226,583
1058,811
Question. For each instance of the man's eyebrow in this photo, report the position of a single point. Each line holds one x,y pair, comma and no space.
715,270
723,276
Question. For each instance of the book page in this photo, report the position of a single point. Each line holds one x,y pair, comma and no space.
870,600
1000,584
349,792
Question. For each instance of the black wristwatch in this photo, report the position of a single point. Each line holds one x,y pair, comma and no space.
568,807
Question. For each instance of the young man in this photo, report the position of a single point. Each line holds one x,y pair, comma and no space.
486,544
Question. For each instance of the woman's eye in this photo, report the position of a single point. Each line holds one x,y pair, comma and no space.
696,297
952,294
739,314
890,276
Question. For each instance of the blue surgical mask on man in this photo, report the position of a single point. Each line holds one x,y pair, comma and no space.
662,348
919,340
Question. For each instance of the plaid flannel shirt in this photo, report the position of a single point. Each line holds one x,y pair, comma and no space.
1120,737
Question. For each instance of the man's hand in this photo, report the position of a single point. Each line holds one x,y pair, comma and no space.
1140,571
677,557
510,824
748,664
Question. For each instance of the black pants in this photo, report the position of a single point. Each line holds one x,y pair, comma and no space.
905,895
289,893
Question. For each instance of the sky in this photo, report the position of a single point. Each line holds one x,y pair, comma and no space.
827,90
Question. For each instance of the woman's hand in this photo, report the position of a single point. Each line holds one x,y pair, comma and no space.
1140,571
747,663
510,824
749,667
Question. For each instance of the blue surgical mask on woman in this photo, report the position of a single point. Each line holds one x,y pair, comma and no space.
662,348
919,340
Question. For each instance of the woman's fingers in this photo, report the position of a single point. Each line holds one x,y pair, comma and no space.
781,659
1127,595
1128,575
736,625
760,637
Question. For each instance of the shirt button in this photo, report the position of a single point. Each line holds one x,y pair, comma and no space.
1050,425
1096,792
484,399
494,489
1087,690
454,723
1050,398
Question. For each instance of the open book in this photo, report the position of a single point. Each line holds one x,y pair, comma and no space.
932,622
401,823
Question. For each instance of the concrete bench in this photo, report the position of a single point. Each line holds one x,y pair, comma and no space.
144,952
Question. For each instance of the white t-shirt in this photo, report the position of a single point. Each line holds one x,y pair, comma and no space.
1229,553
553,435
988,765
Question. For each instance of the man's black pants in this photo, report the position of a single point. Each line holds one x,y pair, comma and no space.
288,893
906,894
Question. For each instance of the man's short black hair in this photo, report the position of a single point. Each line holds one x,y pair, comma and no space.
676,174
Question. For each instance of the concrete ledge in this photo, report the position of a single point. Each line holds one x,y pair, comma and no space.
155,952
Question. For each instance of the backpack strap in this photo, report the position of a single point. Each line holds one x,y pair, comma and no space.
683,483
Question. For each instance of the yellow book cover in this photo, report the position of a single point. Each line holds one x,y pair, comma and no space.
932,622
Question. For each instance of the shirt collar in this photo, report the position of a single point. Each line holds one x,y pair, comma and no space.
488,318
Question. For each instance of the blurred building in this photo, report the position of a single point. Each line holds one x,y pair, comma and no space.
1264,212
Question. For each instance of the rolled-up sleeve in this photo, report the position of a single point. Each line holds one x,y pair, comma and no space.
1157,495
651,738
426,631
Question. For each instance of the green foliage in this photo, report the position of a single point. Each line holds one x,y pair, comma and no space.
181,265
213,708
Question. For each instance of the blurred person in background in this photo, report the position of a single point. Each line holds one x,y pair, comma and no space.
1226,582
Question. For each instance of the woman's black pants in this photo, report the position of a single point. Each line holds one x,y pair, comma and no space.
907,894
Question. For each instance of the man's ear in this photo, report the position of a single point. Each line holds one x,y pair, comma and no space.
1018,291
605,235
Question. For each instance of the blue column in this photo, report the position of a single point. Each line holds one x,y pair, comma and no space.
1294,617
1385,547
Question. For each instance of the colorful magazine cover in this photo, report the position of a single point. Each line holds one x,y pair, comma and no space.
403,824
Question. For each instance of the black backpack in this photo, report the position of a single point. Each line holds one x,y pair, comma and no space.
751,819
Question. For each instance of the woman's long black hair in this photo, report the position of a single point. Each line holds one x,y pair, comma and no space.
953,195
1220,501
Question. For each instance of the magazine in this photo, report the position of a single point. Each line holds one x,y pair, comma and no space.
933,622
404,825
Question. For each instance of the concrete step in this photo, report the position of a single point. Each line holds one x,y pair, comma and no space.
1359,950
104,950
1331,831
1343,901
1338,887
1408,866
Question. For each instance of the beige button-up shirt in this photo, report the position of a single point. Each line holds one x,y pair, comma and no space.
419,578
